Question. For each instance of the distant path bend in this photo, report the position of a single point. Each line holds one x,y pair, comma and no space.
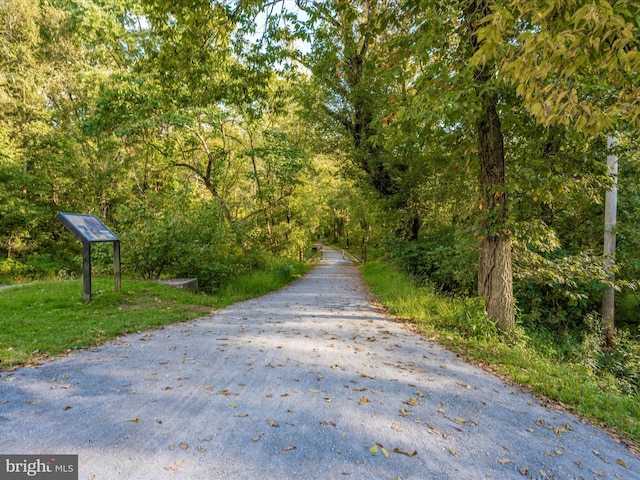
309,382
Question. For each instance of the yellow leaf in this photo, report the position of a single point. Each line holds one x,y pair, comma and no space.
452,452
619,461
374,449
364,400
384,452
134,420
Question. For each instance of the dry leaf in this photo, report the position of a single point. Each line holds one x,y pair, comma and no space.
404,413
288,448
621,462
396,426
413,401
452,452
364,400
183,446
255,438
502,461
242,415
134,420
67,407
409,454
272,423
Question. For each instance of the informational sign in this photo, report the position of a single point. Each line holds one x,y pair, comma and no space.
90,229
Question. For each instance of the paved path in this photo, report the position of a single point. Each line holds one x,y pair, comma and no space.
299,384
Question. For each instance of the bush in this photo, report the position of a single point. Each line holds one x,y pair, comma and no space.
442,258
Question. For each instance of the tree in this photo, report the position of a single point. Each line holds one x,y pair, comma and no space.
597,91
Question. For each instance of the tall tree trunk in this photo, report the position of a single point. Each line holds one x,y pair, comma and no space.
495,280
610,207
495,276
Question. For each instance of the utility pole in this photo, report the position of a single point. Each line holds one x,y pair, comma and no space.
610,210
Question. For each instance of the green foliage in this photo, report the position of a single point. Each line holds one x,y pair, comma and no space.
442,258
185,240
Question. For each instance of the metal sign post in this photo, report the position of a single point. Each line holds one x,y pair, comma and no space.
90,229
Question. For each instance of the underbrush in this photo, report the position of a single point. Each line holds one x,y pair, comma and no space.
572,369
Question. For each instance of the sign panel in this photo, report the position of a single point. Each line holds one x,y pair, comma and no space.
90,229
87,228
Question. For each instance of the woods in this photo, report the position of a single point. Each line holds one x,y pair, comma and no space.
466,141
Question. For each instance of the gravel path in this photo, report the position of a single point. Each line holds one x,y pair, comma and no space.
310,382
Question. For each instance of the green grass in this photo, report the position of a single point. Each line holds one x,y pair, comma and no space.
460,324
46,319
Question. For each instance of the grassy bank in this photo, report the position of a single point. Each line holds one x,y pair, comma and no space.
50,318
461,325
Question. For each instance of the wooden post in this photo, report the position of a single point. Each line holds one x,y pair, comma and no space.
117,270
86,270
610,207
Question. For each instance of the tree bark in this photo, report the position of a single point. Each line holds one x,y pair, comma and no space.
495,277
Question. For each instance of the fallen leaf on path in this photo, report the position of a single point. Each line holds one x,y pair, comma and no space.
413,401
452,452
272,423
233,405
255,438
396,426
67,407
413,453
134,420
242,415
288,448
374,449
503,461
174,467
364,400
183,446
461,421
621,462
405,413
600,456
